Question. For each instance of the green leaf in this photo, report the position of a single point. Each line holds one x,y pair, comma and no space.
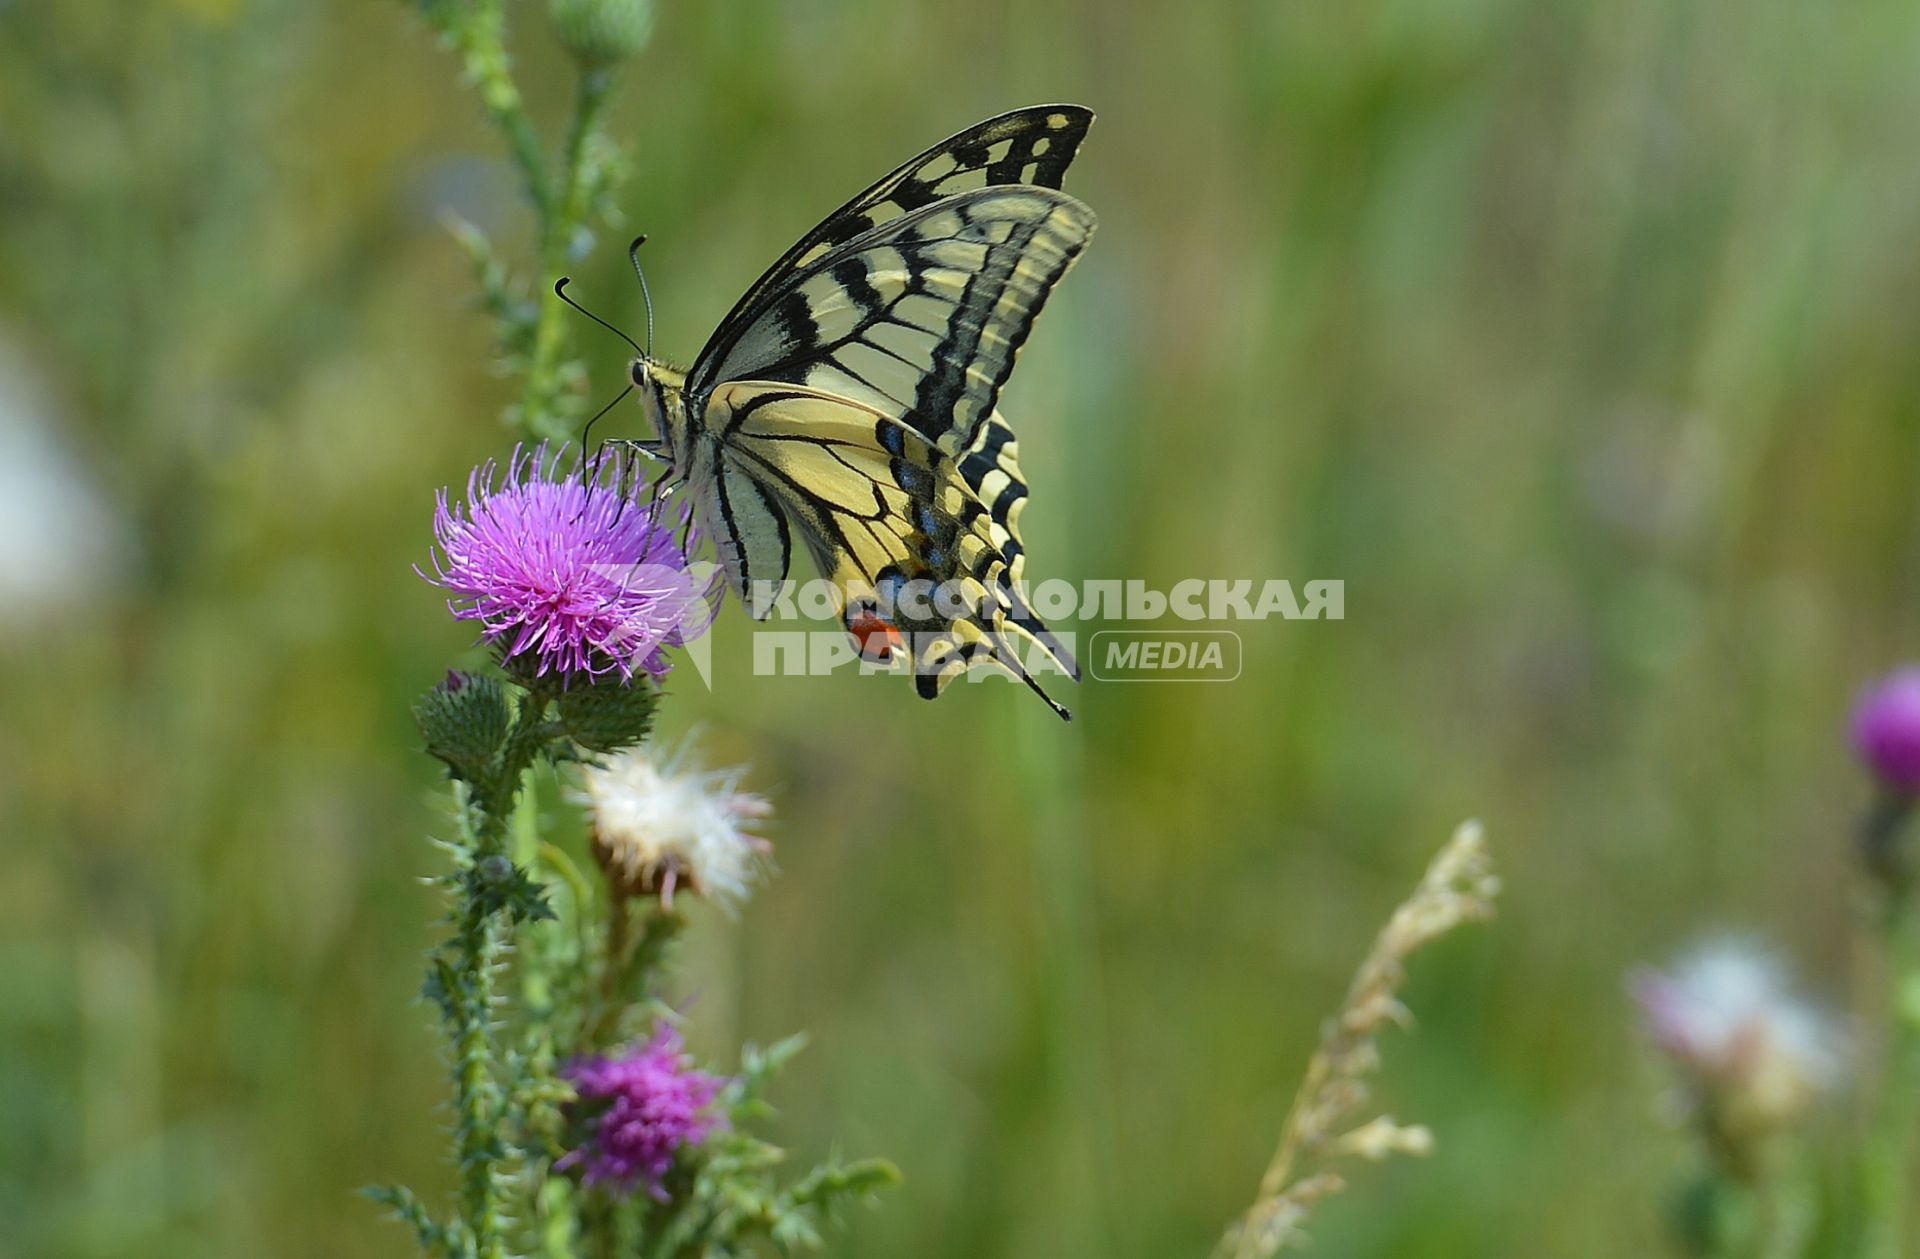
439,987
432,1236
497,885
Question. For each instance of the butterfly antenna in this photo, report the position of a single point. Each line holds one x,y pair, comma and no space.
633,256
560,291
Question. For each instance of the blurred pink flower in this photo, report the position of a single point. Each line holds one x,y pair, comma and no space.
1886,729
647,1105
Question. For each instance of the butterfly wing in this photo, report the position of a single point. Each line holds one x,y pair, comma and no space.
923,316
751,537
922,319
907,306
879,506
1032,146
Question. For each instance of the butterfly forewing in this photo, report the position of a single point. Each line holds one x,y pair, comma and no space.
1031,146
921,317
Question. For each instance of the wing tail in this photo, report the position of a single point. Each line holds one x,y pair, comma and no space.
936,670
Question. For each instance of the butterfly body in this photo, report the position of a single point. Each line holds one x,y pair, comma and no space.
848,403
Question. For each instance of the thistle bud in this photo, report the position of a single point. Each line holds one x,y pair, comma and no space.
1886,734
600,32
607,716
464,721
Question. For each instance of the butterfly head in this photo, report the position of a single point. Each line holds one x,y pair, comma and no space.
662,395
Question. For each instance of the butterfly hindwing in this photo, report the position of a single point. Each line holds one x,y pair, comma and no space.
879,507
750,531
989,463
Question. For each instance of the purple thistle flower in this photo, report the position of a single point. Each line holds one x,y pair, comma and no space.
566,572
656,1104
1886,729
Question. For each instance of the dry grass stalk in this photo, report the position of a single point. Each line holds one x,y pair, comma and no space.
1458,887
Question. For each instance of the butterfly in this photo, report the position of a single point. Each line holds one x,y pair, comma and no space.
848,402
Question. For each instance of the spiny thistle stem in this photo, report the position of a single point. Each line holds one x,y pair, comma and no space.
563,218
562,202
536,1107
477,31
476,1094
496,796
476,948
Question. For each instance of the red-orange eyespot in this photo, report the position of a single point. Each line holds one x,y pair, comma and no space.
874,637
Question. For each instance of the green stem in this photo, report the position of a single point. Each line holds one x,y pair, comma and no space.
599,1226
476,1093
479,35
540,1117
649,953
630,965
496,796
1888,1167
536,979
563,215
1787,1206
613,968
476,949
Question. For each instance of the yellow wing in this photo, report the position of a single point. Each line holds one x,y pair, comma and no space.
1032,146
904,537
922,317
893,327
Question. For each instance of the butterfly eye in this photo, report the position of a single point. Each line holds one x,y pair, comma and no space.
640,373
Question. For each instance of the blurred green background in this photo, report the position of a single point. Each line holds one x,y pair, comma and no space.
1576,336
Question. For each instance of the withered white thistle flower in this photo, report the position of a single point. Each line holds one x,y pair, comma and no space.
660,824
1752,1056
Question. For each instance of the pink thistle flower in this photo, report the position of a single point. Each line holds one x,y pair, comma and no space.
655,1105
1886,729
566,572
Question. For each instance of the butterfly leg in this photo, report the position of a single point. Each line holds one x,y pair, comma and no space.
652,450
